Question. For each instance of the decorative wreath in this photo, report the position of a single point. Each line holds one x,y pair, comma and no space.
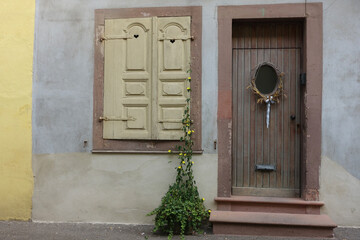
278,91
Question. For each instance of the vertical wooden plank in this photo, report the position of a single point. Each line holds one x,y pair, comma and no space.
273,113
237,158
260,108
286,108
279,112
236,105
299,37
292,103
234,100
240,110
253,117
297,123
246,78
266,131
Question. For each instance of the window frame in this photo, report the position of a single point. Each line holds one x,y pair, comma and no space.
101,145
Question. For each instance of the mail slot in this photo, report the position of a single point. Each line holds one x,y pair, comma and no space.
267,168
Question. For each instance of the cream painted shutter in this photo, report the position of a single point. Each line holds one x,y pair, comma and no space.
173,50
128,79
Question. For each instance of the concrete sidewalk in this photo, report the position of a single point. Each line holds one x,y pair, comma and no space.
85,231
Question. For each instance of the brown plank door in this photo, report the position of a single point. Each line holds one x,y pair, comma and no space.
266,161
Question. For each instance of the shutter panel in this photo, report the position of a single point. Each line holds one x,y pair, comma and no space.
127,79
173,66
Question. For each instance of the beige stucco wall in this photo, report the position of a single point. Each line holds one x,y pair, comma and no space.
16,59
341,193
85,187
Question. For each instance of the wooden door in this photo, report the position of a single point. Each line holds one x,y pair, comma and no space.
254,144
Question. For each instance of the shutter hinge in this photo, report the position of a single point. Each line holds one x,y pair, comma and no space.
114,37
161,38
116,119
302,79
173,121
170,121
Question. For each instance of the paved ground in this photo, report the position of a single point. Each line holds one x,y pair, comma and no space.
85,231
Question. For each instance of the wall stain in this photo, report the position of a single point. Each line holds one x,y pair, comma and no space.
24,109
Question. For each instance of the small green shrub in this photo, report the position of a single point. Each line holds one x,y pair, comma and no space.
182,210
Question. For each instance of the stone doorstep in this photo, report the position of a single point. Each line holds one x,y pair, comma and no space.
286,219
271,224
270,216
268,204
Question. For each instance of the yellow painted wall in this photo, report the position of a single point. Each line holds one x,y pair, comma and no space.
16,58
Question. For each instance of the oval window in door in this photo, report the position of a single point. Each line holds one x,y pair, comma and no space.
266,79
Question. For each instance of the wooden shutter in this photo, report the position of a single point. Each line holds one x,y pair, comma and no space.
173,56
127,79
145,87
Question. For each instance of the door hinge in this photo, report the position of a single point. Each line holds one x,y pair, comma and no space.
302,79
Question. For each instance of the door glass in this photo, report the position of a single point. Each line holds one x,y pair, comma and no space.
266,79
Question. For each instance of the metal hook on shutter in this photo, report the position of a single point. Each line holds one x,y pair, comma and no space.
170,121
162,38
114,37
116,119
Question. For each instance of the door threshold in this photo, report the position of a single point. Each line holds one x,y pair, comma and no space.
266,192
275,200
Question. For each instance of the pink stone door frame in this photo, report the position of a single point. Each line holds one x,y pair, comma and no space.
311,14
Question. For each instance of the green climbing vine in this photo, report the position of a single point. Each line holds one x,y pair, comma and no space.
182,210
